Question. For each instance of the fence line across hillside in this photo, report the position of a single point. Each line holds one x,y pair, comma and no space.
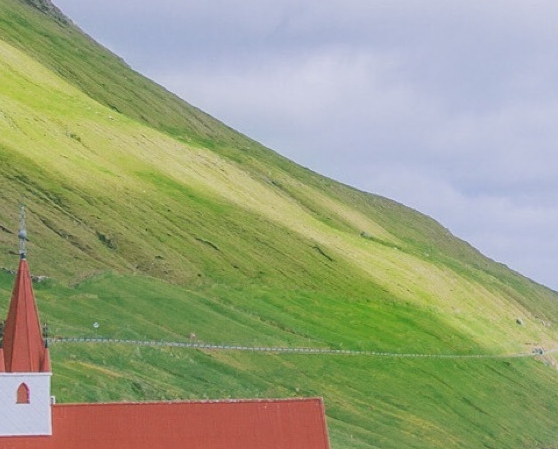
300,350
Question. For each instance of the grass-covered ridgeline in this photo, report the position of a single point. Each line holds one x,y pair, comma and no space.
157,221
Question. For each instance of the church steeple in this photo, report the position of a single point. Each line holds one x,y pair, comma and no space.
24,359
23,344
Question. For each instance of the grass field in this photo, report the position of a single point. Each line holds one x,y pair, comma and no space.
386,402
156,221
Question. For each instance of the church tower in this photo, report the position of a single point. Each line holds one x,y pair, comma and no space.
25,400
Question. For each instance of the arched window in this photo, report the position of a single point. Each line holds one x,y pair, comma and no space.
23,394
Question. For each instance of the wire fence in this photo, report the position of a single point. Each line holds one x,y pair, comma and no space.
299,350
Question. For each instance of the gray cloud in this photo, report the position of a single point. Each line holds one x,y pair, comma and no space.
448,107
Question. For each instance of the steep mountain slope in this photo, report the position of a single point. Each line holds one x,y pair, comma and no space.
121,176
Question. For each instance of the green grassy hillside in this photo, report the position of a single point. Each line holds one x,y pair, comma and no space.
157,221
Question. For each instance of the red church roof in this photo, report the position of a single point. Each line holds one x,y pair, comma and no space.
23,344
246,424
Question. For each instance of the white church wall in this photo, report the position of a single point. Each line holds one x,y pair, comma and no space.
25,419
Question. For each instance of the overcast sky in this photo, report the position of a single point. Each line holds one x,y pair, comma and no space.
450,107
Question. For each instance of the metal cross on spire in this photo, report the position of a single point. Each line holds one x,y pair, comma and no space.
22,234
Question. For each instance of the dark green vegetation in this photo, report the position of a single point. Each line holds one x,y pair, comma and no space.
156,220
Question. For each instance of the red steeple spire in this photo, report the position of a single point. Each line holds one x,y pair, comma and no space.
23,344
2,365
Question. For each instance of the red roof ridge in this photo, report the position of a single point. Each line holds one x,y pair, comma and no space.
193,402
